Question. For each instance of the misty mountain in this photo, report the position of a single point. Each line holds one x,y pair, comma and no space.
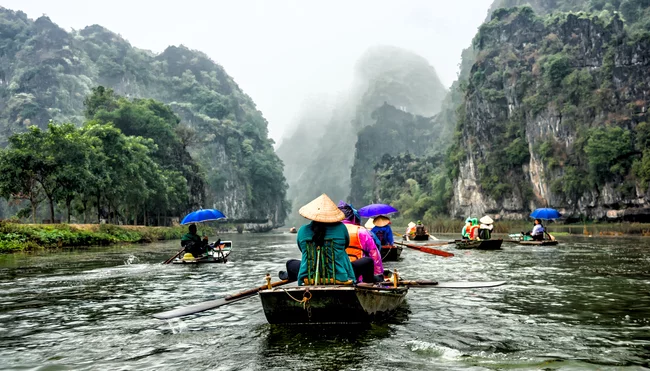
46,72
384,75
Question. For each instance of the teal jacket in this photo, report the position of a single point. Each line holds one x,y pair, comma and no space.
339,236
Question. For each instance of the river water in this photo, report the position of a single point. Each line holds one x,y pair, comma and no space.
584,304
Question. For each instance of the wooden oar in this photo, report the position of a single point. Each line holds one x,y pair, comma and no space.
427,250
451,285
173,257
211,304
434,284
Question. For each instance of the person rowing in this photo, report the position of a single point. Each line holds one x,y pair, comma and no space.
383,230
193,243
538,231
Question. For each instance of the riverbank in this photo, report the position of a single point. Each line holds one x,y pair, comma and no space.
515,226
15,237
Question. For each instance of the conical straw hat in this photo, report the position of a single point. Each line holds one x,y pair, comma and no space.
381,221
369,224
486,220
322,209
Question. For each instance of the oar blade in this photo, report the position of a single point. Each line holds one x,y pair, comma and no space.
442,253
211,304
197,308
454,285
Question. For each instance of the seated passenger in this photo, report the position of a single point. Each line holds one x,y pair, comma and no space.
538,231
363,253
193,243
325,229
466,229
383,230
485,228
410,231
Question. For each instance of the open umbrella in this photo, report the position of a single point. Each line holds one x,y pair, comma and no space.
203,215
375,210
545,213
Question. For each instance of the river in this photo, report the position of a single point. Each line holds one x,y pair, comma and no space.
584,304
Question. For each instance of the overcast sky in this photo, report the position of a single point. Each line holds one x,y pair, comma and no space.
280,51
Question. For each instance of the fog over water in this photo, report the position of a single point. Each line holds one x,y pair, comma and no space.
282,51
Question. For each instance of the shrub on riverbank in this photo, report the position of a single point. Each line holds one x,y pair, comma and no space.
24,237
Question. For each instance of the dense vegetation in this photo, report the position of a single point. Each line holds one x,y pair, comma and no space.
47,73
21,237
124,178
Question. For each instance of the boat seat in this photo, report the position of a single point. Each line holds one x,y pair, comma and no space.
321,264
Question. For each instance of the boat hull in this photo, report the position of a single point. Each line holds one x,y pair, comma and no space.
391,253
538,243
421,237
330,304
479,244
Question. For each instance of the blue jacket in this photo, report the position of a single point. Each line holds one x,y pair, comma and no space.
385,235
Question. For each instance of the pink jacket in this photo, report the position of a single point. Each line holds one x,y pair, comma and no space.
369,248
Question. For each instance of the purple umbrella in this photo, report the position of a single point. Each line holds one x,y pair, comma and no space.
376,209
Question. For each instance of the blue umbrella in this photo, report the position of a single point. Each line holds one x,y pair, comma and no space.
545,213
203,215
375,210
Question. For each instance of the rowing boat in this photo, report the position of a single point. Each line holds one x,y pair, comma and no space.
391,253
527,241
326,303
339,304
214,255
479,244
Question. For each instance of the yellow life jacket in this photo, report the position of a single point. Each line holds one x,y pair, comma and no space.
354,250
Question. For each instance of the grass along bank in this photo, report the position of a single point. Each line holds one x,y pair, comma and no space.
16,237
444,226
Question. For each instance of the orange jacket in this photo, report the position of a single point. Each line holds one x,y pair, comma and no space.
354,250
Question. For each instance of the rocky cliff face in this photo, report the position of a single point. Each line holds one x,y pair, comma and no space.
554,114
46,72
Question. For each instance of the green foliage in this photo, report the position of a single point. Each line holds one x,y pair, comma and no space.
17,237
641,169
556,67
605,150
417,186
97,163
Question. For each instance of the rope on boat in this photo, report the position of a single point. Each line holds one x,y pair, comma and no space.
306,296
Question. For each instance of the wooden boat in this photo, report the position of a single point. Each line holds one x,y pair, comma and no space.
519,239
293,230
479,244
391,253
421,237
214,255
331,304
538,243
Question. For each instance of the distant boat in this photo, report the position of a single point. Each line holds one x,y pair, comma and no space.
293,230
214,255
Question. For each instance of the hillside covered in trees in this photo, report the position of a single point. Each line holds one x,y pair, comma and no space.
554,111
46,74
